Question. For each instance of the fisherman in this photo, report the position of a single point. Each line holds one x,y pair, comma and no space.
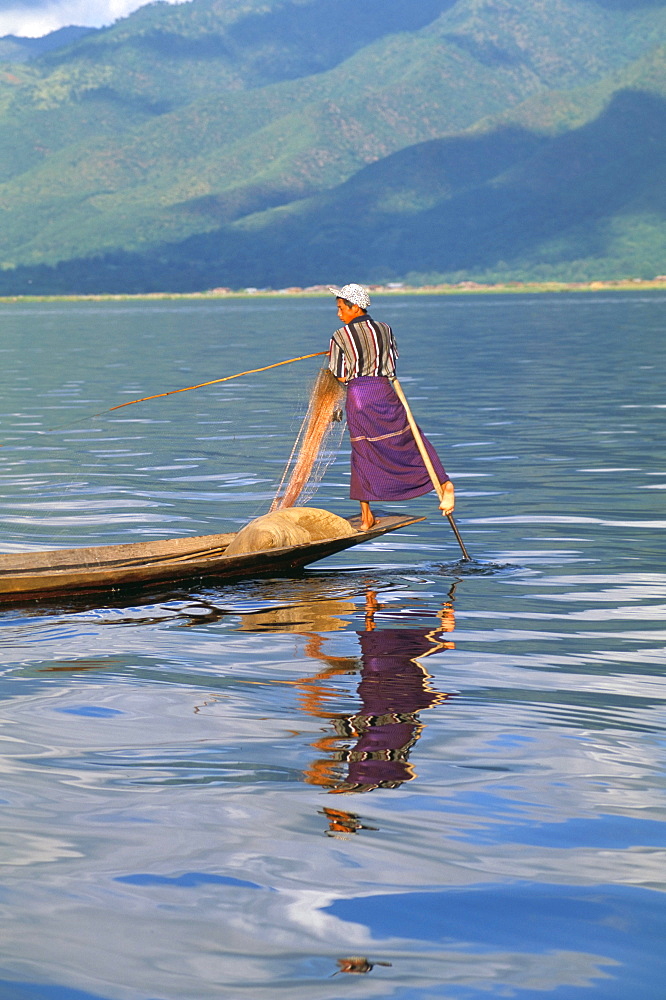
386,463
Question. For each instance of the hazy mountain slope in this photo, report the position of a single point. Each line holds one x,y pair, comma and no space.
505,204
253,120
286,140
166,56
507,192
16,49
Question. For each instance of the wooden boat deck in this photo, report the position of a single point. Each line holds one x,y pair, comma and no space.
141,564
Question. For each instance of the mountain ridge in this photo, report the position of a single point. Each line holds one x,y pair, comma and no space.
98,170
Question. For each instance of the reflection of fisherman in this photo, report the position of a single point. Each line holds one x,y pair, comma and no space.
394,688
386,463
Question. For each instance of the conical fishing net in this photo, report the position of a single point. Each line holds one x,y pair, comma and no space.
316,443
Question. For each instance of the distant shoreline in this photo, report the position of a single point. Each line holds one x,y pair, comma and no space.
461,288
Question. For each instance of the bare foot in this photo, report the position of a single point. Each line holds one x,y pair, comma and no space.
368,519
448,500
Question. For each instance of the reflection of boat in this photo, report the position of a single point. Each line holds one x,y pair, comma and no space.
143,564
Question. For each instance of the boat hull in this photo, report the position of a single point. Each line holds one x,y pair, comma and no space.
140,565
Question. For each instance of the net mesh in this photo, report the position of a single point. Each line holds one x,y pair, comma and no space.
316,443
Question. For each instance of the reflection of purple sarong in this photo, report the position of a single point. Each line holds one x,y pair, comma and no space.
393,689
390,679
386,463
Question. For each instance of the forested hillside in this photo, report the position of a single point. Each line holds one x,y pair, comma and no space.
283,142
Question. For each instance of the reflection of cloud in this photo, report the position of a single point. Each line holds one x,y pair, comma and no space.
28,849
199,958
33,18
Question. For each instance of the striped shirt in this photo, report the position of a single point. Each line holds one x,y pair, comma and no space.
363,347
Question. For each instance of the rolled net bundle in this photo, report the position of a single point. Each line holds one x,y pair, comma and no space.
316,443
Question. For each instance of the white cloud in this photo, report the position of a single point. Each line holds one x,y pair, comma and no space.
32,18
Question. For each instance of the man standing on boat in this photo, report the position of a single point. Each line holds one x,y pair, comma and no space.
386,463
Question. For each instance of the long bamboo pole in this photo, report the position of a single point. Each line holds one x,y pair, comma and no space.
214,381
428,464
171,392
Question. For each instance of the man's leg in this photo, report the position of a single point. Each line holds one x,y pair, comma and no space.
367,517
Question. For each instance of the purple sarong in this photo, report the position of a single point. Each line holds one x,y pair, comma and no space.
386,463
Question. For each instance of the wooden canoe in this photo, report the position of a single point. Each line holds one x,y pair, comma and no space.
139,565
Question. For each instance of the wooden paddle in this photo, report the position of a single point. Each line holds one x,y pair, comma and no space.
428,464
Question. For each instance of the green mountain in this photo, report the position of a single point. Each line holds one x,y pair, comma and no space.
16,49
281,142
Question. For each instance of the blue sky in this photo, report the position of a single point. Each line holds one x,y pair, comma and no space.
37,17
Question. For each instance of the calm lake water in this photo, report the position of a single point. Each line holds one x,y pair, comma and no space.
392,776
